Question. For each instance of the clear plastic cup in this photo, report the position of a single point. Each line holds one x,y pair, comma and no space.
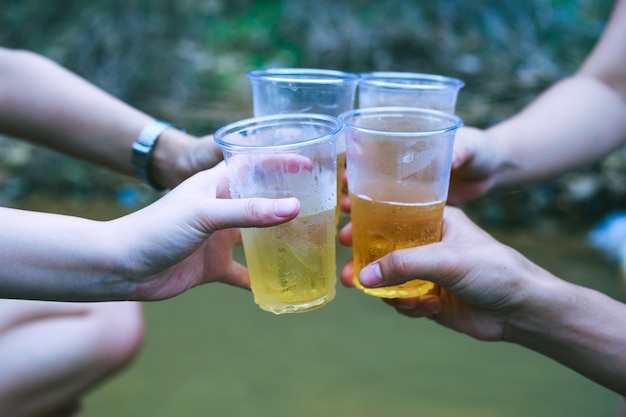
398,163
305,90
292,266
408,89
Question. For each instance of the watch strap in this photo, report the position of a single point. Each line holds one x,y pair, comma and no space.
143,147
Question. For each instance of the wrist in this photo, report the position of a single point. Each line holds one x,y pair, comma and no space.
178,156
171,158
552,316
143,150
502,166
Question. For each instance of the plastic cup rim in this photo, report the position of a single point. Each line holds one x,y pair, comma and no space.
298,76
394,80
455,121
278,119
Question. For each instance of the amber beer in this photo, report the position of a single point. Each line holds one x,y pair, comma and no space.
292,266
381,227
398,162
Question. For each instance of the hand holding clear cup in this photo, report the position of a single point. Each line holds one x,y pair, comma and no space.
292,266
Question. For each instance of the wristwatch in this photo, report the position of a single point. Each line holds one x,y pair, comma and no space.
143,147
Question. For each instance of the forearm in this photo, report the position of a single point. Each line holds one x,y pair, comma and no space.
574,123
44,103
578,327
54,257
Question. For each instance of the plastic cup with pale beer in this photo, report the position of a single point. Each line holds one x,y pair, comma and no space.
292,266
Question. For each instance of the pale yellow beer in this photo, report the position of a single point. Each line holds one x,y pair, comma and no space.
381,227
292,266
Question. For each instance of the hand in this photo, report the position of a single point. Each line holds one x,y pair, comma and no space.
474,165
177,156
482,284
186,238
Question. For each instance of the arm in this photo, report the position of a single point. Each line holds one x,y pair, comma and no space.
574,123
42,102
158,252
491,292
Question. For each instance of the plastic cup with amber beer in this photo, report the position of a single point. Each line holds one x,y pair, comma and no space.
398,167
408,89
305,90
292,266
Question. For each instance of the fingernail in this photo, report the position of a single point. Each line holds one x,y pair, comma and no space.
285,207
371,275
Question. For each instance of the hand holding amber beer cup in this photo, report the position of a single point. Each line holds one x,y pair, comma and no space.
292,266
398,166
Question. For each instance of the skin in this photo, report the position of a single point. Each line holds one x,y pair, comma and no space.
574,123
65,112
126,258
488,290
182,240
52,353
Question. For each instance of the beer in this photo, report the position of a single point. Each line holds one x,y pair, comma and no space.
380,227
292,266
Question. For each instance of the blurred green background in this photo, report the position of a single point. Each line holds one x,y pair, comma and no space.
185,61
212,351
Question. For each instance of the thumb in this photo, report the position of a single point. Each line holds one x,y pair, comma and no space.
438,262
250,212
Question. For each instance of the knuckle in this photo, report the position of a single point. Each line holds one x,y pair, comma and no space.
400,263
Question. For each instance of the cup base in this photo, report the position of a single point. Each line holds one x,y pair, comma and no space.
409,289
278,308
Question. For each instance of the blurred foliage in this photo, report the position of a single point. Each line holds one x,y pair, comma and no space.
167,56
186,60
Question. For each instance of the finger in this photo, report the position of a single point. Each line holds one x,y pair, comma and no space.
243,166
291,163
248,212
346,276
344,203
345,235
459,156
436,262
461,153
430,262
424,306
238,277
